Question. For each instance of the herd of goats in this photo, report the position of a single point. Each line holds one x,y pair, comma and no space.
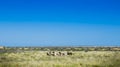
54,53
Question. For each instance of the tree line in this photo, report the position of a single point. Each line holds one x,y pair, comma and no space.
10,49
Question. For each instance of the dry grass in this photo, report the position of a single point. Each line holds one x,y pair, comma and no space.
78,59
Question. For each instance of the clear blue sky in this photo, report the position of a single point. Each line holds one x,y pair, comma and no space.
60,22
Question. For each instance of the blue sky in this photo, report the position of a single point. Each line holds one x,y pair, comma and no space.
59,22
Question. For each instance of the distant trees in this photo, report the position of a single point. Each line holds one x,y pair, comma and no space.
86,49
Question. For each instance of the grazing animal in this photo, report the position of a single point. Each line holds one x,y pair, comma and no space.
48,53
64,53
69,53
53,53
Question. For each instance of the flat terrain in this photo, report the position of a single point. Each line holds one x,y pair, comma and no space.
78,59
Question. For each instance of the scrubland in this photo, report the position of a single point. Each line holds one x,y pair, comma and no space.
78,59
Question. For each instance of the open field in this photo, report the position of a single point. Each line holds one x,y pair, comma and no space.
78,59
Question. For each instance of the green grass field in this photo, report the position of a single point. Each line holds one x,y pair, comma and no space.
78,59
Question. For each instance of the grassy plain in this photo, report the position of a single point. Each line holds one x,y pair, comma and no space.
78,59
